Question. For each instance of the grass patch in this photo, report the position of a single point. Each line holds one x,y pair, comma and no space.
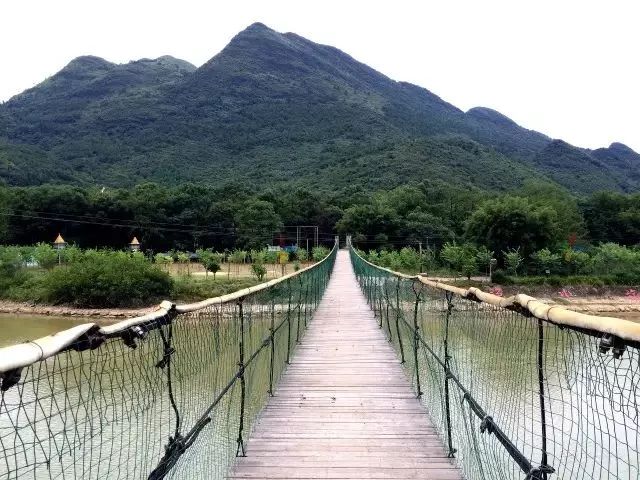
193,289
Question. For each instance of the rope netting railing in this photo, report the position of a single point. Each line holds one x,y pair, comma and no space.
516,388
173,394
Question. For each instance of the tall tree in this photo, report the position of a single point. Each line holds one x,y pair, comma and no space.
257,222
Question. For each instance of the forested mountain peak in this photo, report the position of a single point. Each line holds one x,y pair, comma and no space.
622,149
86,63
94,77
282,108
493,116
76,74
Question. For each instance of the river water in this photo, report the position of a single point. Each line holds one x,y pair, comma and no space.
17,328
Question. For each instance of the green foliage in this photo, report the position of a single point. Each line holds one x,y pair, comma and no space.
107,279
256,223
575,261
500,277
211,261
184,260
45,255
258,256
461,258
11,268
546,262
334,122
238,256
537,216
71,254
484,257
511,223
513,260
302,255
619,261
409,259
613,217
259,270
319,253
271,257
163,259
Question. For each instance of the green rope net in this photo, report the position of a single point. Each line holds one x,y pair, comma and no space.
174,397
512,396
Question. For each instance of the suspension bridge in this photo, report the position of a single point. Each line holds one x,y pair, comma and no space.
342,370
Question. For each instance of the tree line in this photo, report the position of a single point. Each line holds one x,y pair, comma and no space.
189,217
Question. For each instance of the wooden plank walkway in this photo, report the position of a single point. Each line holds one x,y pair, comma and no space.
344,408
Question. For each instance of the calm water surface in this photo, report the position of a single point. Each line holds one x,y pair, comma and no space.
17,328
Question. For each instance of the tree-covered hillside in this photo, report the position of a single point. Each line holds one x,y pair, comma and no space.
276,108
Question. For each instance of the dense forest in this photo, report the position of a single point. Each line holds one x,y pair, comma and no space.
188,217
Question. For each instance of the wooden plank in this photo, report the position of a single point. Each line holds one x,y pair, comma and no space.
344,408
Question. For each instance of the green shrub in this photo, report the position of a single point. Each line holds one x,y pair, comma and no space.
461,258
302,255
45,255
211,261
318,253
259,270
409,259
107,279
512,260
544,260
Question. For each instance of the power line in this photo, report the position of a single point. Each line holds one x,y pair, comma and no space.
54,215
78,220
140,227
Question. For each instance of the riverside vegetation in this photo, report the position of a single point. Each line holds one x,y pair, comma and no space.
605,264
109,278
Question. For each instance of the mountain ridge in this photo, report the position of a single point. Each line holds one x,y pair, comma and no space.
281,107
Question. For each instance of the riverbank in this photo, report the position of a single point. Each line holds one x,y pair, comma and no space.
605,305
609,300
610,305
104,314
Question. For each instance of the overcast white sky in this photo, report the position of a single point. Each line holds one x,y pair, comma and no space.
570,69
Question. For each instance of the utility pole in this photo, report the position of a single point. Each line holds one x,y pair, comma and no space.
297,236
420,253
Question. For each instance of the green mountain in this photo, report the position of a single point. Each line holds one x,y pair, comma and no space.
273,108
